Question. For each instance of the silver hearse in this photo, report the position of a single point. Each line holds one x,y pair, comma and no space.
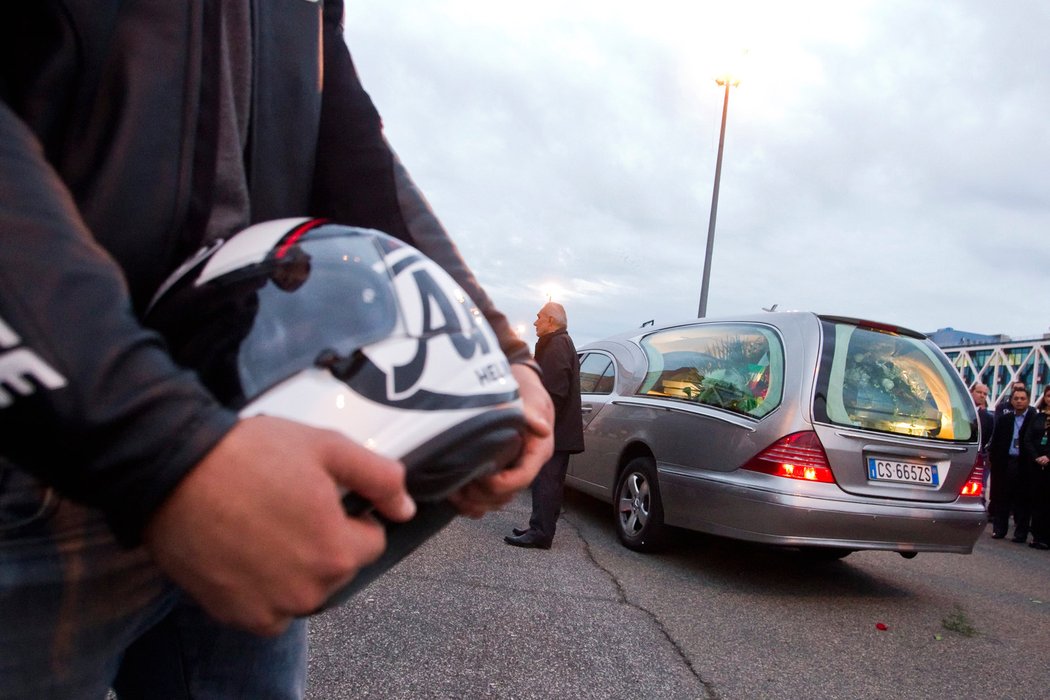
820,433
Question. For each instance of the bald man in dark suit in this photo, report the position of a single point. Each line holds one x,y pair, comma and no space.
556,356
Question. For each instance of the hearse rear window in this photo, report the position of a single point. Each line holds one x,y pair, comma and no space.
893,383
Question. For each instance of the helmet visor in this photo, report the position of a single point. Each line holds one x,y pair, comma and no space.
249,329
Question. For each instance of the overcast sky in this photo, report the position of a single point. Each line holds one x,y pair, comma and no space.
887,160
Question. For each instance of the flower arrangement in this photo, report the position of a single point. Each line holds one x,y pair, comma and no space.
878,380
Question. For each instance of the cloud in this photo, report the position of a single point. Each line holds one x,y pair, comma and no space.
884,160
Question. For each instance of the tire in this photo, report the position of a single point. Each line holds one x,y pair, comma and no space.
638,512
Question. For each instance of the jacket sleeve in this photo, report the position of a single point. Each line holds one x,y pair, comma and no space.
360,181
1031,434
90,401
557,372
1000,441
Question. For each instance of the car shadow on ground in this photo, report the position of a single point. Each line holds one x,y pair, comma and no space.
747,566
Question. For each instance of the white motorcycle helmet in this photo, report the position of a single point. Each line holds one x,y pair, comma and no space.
352,330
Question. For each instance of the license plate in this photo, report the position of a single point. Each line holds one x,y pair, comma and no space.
902,472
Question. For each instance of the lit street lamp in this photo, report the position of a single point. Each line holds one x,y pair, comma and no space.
702,312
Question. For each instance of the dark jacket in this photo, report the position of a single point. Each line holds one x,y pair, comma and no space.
999,448
1036,438
556,356
107,153
986,422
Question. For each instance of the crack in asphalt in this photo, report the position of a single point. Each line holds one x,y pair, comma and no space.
712,694
621,598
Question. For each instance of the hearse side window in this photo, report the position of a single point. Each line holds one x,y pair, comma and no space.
734,366
597,374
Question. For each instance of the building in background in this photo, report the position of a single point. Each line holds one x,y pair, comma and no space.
997,360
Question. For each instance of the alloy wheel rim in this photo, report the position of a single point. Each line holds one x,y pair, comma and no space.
634,503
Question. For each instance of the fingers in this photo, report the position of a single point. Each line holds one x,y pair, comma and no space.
305,590
539,410
256,532
496,490
378,479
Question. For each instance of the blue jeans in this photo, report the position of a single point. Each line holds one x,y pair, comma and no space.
80,614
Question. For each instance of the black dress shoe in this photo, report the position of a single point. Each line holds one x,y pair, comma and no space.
998,535
1039,545
1020,539
528,539
520,530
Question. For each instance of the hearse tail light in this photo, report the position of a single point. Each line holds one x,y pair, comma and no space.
797,456
974,486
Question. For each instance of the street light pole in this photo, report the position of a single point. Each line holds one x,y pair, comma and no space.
706,280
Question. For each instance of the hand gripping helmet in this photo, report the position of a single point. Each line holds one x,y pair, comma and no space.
352,330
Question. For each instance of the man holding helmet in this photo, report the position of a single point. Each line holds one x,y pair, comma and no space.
131,134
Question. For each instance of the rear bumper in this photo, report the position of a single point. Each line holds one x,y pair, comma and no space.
761,508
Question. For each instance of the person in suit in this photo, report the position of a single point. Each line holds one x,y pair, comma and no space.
1008,454
1004,405
985,419
1039,451
986,423
1043,402
556,356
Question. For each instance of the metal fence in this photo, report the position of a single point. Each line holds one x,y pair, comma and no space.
1000,364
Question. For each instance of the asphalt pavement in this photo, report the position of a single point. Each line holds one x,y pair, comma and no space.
467,616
